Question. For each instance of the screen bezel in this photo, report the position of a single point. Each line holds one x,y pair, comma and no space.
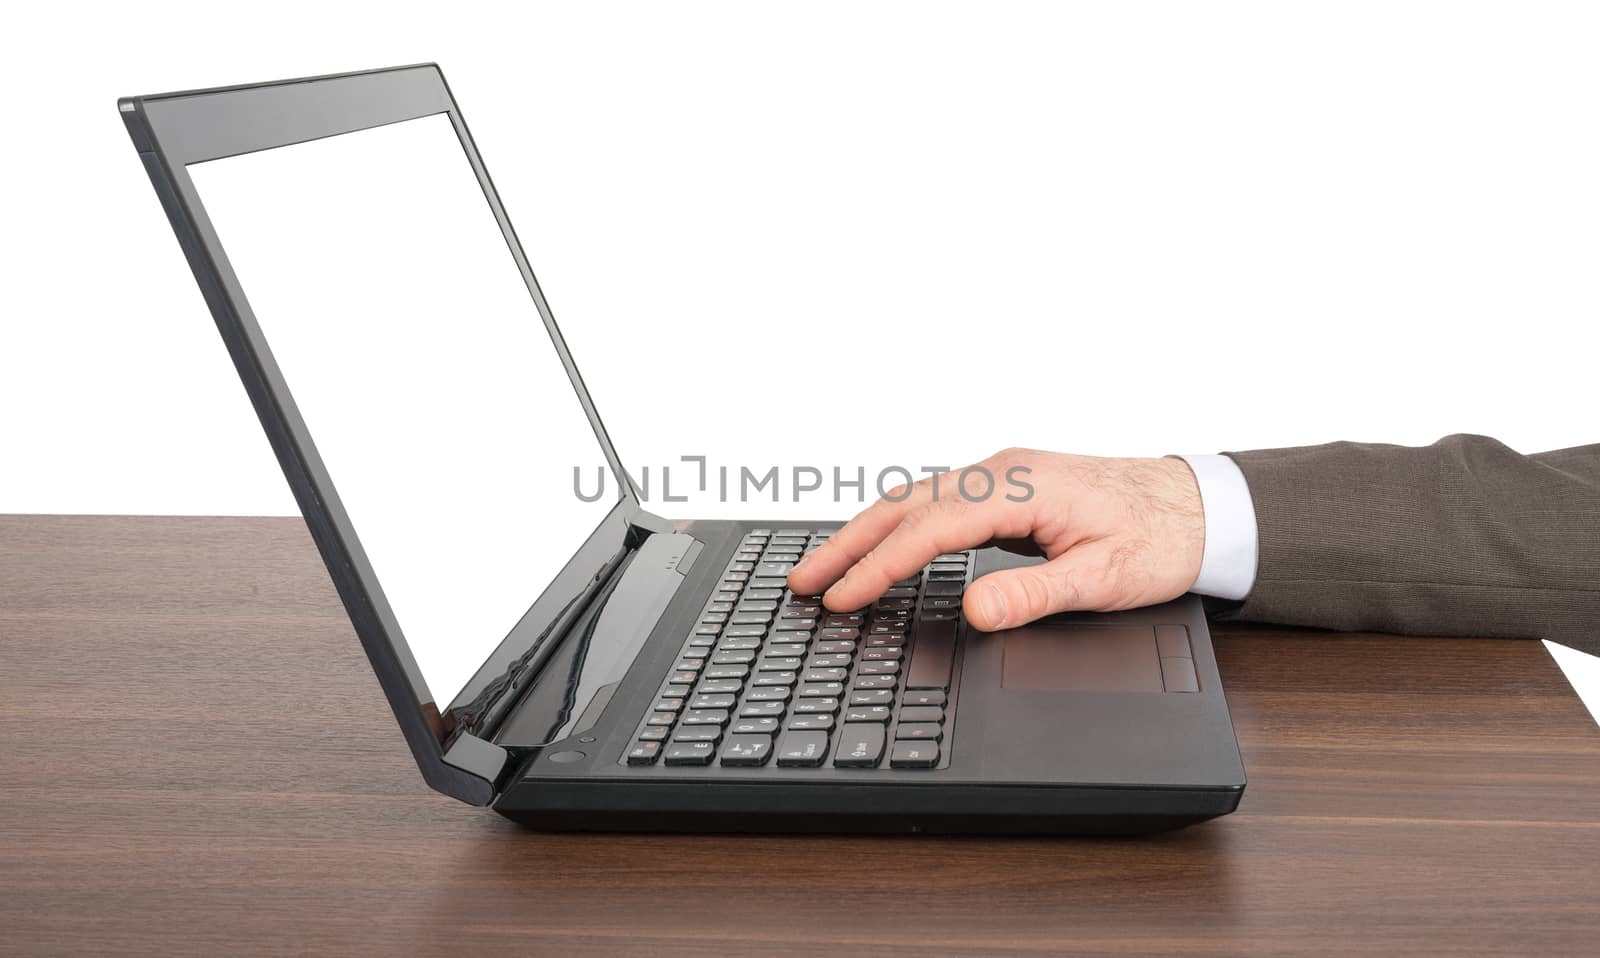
172,131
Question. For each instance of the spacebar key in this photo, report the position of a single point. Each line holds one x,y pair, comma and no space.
932,651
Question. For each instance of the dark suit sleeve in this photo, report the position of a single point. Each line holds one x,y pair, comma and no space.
1463,537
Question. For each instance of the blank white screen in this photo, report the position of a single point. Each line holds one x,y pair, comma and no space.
378,273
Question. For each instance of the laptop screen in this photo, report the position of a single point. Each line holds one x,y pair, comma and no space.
423,371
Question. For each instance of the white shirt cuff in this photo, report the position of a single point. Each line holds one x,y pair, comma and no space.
1228,564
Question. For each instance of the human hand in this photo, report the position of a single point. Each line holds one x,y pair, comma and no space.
1116,534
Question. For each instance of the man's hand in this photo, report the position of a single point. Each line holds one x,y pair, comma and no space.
1117,534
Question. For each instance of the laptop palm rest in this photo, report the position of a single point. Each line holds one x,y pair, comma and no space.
1053,654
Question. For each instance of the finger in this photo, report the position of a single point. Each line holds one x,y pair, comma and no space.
1078,579
825,565
947,525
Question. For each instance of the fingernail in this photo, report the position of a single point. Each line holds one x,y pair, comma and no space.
992,603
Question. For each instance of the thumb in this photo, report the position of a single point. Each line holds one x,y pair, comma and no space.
1076,579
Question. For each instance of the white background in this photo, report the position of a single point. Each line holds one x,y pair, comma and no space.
920,231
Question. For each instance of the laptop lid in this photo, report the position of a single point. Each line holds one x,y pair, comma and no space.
408,372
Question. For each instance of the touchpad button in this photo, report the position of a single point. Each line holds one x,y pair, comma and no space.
1081,658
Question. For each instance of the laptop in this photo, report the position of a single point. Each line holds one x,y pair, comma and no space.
550,647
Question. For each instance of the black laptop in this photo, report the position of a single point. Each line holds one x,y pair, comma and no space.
548,646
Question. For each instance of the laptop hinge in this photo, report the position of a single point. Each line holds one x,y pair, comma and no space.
641,526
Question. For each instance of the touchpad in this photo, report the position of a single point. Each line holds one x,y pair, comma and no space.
1082,658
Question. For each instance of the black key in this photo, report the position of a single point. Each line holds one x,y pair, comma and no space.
770,693
821,690
784,679
851,620
832,661
761,709
684,677
744,631
922,713
768,582
714,618
900,592
889,604
668,705
718,686
931,656
747,750
757,607
860,745
759,532
877,681
797,533
779,663
888,628
885,654
690,753
947,576
941,588
878,668
829,648
875,697
948,566
673,691
754,726
644,753
870,713
840,633
914,755
785,635
817,707
763,594
699,642
727,672
661,718
718,701
941,615
653,733
823,722
807,599
934,697
757,538
794,540
720,607
751,618
941,603
690,663
777,570
786,649
708,630
698,733
706,717
734,657
798,624
825,675
802,748
919,731
800,611
739,642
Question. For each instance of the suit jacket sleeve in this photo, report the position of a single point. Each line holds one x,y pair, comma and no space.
1463,537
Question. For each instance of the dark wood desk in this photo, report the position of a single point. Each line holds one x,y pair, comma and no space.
197,760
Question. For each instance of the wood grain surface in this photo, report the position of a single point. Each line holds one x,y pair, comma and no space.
196,759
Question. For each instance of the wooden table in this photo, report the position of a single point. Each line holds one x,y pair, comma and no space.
197,760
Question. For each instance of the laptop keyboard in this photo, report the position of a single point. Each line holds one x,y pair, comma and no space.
770,677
